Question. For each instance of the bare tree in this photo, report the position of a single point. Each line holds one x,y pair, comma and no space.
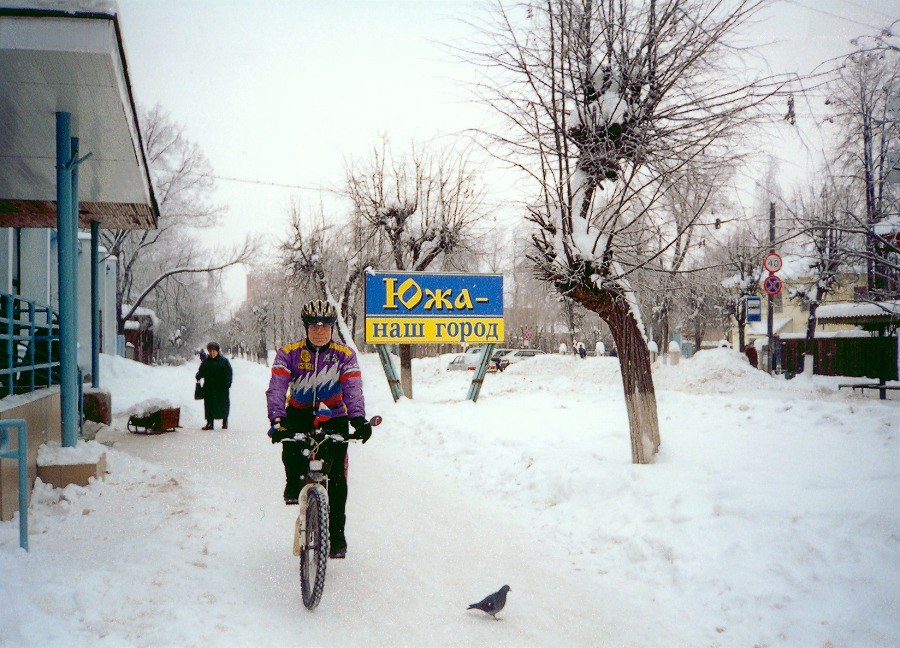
740,258
828,243
684,214
606,102
330,260
420,207
182,182
704,302
867,83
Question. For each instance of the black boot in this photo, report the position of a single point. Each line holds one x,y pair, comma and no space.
208,426
224,424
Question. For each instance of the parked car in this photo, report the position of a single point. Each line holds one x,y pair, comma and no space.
498,358
468,362
517,355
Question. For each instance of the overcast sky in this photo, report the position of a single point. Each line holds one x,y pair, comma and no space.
284,91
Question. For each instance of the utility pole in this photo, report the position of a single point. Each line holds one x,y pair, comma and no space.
770,316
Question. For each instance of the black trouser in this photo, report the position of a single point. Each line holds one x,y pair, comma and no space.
334,455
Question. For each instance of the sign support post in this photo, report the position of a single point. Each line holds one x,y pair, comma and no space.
480,372
389,371
770,316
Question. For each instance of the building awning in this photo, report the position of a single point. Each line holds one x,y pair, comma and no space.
57,61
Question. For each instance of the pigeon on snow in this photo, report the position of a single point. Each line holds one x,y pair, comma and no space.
492,603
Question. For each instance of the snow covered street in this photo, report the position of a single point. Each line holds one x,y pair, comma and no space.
770,518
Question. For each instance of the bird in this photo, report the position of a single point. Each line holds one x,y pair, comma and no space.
492,603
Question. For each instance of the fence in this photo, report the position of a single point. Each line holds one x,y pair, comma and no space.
870,357
29,345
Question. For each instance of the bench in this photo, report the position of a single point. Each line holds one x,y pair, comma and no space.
864,386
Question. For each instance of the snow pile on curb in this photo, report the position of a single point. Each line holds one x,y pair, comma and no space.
84,452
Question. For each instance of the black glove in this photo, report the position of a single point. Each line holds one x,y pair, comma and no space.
278,433
362,428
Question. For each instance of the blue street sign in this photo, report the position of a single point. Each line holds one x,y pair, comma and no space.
754,308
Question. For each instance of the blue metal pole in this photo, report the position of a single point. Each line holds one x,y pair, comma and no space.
23,482
68,314
95,304
79,380
20,453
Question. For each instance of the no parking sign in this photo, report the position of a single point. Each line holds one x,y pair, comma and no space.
772,285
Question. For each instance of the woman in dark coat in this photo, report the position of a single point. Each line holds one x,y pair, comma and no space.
216,374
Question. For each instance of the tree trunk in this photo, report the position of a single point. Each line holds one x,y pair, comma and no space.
811,327
634,362
406,370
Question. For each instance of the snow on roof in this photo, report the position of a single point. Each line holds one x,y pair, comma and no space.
761,328
859,310
821,335
140,311
110,7
888,227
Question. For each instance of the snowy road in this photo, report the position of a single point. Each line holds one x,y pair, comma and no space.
768,519
421,549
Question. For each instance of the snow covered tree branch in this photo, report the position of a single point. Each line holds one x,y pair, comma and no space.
606,103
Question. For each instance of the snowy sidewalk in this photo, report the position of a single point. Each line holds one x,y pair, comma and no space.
770,518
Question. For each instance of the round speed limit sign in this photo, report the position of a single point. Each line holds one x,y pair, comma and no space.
772,262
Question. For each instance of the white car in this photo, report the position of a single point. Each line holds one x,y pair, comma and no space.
468,362
517,355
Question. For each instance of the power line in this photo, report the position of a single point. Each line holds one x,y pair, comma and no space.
865,8
265,183
833,15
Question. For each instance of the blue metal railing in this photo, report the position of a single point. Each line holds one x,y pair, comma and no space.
29,345
20,453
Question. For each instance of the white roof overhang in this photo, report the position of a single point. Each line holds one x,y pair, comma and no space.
55,61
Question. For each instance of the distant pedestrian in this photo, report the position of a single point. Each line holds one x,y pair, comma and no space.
216,374
582,352
752,356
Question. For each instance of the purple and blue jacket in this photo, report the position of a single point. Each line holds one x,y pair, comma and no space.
304,376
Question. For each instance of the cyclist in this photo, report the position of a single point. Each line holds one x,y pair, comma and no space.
306,375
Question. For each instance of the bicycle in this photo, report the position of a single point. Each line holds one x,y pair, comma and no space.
311,536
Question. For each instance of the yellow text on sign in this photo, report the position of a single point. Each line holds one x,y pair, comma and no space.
409,295
419,330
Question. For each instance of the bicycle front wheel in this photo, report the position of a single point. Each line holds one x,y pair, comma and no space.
314,557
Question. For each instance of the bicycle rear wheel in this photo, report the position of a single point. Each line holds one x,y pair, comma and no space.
314,557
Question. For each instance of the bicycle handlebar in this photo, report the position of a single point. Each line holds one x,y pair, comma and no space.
332,436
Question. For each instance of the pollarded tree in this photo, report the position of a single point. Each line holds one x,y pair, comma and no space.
331,262
421,208
605,102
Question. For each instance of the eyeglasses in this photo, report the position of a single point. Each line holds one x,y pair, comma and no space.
319,321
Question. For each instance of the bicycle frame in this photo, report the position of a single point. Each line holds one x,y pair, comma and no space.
313,500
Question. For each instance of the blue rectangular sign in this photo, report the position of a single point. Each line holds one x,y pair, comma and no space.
413,307
754,309
413,294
